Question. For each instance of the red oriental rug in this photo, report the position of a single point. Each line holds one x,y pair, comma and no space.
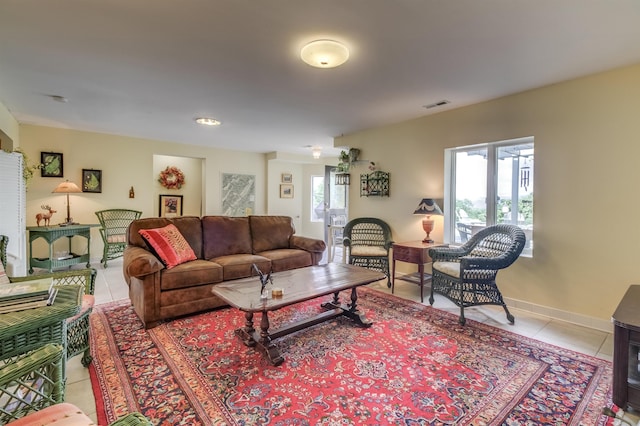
415,366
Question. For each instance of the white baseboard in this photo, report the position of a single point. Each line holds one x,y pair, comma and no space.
572,317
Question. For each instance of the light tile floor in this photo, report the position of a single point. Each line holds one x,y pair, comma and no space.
110,286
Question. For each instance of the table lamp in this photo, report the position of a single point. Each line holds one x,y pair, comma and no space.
428,207
67,187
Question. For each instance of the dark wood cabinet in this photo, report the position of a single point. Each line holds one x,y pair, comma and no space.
626,348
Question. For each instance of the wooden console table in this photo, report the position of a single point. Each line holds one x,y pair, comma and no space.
626,348
413,252
53,233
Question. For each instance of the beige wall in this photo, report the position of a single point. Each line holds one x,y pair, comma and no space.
587,143
127,162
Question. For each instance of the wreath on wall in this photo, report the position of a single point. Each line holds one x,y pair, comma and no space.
171,178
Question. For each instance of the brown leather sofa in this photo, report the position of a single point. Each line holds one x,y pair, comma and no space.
226,248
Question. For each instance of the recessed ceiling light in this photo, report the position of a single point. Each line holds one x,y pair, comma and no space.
208,121
324,53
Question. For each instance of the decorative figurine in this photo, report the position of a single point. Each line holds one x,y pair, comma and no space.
264,279
45,216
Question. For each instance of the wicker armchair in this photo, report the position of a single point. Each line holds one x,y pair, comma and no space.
78,325
114,224
367,242
31,381
466,275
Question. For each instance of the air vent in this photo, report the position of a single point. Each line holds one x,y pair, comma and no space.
437,104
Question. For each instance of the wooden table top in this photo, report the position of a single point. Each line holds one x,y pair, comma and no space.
298,285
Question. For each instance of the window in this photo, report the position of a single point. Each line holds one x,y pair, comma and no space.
317,198
488,184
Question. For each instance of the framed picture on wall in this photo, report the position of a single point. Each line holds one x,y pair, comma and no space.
51,164
286,190
91,180
170,205
287,178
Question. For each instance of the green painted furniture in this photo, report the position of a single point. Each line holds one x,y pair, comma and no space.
466,275
33,351
113,229
53,233
31,381
77,329
367,241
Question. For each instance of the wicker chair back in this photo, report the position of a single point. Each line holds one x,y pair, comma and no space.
113,230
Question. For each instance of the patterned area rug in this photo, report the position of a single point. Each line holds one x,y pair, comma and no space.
414,366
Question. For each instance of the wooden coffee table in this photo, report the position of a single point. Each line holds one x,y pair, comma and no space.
298,286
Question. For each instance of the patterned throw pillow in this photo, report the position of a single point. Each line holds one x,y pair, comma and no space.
169,245
4,279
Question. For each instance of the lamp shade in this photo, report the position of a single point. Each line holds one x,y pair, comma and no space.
428,206
67,187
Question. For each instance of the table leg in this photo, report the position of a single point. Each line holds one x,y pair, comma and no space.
393,275
421,272
265,345
351,310
246,333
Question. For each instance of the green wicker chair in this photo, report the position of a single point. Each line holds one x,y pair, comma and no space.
368,241
466,275
114,224
78,325
31,381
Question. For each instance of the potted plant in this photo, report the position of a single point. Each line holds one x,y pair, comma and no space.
343,165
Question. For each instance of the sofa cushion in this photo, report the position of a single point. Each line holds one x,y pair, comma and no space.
285,259
133,234
240,265
191,274
270,232
169,244
223,235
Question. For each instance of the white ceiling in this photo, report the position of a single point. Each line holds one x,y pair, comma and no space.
148,68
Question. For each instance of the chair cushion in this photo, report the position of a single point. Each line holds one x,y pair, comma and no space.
117,238
368,251
88,301
63,414
4,279
169,244
449,268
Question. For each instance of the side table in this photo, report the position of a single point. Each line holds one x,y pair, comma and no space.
626,350
53,233
413,252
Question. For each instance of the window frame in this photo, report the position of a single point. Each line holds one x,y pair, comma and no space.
492,184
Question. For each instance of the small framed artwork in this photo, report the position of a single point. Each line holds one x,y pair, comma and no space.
91,180
170,205
286,190
287,178
51,164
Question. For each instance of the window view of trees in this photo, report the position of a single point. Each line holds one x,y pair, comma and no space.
489,184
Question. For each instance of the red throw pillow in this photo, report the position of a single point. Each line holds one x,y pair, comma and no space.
169,245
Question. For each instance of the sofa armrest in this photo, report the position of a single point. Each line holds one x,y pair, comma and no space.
139,262
309,244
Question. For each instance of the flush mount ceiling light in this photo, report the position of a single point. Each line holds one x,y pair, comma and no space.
208,121
316,151
324,53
